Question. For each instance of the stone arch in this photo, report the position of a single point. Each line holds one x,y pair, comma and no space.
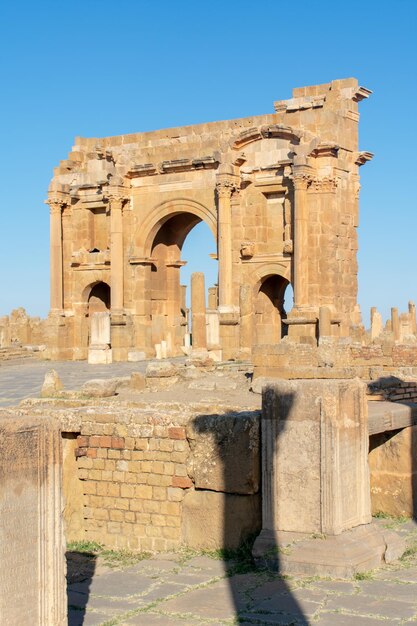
102,289
166,210
268,305
163,235
99,298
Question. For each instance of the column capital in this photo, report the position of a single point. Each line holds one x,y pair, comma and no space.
225,186
117,201
301,177
56,204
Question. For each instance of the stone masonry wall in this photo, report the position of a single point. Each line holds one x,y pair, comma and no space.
158,477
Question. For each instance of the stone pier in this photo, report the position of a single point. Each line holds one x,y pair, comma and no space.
316,509
32,548
198,311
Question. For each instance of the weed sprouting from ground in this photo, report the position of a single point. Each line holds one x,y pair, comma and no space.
364,575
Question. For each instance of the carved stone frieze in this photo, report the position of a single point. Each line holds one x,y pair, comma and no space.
327,184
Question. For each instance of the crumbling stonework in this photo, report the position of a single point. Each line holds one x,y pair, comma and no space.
139,479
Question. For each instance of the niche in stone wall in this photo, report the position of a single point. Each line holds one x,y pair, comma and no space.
98,229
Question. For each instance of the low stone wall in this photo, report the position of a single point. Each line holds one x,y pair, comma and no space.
334,358
161,476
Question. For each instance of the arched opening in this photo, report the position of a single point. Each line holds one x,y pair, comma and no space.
170,279
99,298
270,310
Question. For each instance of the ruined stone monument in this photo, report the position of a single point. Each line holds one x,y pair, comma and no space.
280,194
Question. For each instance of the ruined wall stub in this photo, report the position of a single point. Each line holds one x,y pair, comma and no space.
278,191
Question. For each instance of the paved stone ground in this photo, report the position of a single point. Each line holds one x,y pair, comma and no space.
168,590
23,378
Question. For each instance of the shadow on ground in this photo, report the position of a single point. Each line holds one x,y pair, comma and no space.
80,571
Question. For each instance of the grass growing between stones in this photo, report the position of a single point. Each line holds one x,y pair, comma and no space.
410,552
238,560
391,521
364,575
111,558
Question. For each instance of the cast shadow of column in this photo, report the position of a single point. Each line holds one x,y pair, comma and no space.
80,571
259,592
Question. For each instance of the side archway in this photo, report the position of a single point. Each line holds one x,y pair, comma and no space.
269,309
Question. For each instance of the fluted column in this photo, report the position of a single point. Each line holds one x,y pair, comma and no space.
116,252
300,241
55,211
225,187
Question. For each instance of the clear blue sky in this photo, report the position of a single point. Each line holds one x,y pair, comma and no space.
95,68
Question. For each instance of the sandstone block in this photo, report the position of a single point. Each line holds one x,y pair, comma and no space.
393,472
225,452
137,381
136,355
232,519
52,384
161,370
99,388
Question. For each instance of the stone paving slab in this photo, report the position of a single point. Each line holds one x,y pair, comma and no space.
171,590
336,619
359,605
21,379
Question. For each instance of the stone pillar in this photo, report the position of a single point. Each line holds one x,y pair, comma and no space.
212,298
55,206
376,323
198,311
317,430
32,546
315,480
412,314
325,322
116,252
225,186
246,318
300,242
395,323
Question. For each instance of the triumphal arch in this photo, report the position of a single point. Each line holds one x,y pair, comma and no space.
280,195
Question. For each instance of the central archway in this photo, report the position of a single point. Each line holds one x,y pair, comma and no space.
168,299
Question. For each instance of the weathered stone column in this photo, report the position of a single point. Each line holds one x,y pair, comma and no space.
395,323
116,252
55,207
412,314
300,241
198,311
246,313
225,186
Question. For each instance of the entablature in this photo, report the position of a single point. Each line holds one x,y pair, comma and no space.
174,165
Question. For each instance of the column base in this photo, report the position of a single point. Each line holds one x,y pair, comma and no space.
100,356
341,556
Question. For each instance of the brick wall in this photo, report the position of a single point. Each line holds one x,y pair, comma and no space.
137,468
